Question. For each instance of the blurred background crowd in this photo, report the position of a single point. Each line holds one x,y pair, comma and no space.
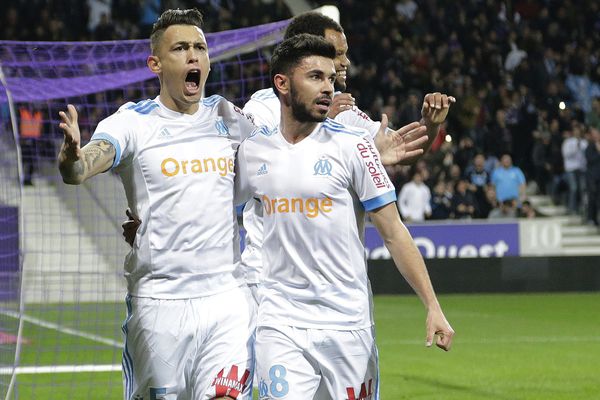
526,74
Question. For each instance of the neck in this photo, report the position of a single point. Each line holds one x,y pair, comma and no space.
178,106
293,130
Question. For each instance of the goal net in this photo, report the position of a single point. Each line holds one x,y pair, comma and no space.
61,251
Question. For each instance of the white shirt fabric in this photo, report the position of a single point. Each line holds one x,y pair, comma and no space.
573,152
314,195
265,110
414,201
178,174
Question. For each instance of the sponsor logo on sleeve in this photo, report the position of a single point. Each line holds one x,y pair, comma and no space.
372,163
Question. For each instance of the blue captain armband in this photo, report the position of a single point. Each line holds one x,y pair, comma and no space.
379,201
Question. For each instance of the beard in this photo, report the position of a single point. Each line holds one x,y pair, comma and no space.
300,111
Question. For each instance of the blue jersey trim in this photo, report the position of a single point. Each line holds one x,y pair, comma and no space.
341,128
379,201
114,142
143,107
211,100
264,94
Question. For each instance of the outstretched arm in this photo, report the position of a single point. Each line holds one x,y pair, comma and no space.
410,263
403,144
77,164
434,112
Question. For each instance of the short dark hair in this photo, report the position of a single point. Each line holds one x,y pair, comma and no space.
190,16
290,52
311,22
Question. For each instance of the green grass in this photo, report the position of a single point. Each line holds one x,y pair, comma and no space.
507,347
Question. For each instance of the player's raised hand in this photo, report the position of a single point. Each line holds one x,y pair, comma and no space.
71,147
435,108
402,144
438,326
341,102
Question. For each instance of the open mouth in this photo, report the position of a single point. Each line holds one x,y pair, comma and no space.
192,80
324,103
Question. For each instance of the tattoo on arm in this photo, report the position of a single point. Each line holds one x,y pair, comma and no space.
97,157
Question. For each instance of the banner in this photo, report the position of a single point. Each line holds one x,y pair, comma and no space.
455,240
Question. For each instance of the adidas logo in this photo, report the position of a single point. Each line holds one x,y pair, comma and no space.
262,170
164,134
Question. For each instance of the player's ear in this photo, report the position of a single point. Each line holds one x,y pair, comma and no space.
153,63
282,83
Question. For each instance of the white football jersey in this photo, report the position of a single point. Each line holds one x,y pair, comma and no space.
314,195
178,174
265,110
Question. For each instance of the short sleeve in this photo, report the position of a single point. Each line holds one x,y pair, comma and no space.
118,130
262,113
369,179
359,119
242,191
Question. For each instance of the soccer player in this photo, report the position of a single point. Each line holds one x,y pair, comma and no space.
316,178
264,108
189,327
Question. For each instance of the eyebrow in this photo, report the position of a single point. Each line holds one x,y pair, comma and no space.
184,43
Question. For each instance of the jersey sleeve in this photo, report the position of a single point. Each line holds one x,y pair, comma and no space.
118,130
242,190
359,119
261,113
369,179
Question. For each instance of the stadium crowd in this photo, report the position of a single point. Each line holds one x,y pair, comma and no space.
526,74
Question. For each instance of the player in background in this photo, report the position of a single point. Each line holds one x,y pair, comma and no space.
264,108
316,178
189,327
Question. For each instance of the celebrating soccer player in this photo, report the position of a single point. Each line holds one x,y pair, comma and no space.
404,145
315,178
189,326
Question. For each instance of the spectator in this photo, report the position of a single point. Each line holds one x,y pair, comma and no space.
30,131
441,201
463,202
508,180
592,118
592,155
478,178
542,161
414,199
506,209
526,210
573,152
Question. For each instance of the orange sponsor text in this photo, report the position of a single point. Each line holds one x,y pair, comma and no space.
172,167
310,207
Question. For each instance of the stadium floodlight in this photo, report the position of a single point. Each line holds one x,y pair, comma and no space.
61,277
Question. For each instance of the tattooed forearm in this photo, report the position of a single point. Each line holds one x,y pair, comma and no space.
96,157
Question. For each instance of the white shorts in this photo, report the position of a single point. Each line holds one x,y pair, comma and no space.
192,349
301,364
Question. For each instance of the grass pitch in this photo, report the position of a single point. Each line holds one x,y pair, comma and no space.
507,347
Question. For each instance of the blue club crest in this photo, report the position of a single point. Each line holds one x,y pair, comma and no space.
323,167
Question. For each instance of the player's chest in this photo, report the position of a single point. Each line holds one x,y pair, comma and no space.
178,151
299,172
